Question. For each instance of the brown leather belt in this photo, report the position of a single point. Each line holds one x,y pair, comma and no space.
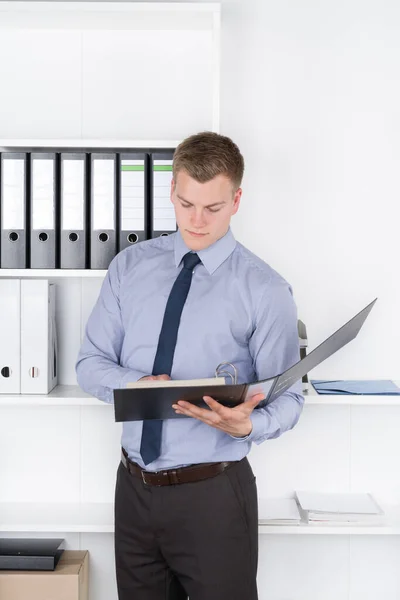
174,476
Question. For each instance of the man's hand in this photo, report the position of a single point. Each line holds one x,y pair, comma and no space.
235,421
155,377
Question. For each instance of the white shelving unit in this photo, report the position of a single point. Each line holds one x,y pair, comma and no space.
72,395
109,81
51,273
111,63
97,517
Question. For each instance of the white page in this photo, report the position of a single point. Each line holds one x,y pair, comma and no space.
73,194
103,194
355,503
43,193
13,191
278,508
176,382
132,196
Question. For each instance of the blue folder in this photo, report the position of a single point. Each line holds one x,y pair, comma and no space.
378,387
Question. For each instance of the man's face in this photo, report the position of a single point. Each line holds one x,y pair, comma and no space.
203,210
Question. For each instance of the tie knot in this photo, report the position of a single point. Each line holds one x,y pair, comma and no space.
190,260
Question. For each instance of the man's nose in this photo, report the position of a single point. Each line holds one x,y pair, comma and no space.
198,218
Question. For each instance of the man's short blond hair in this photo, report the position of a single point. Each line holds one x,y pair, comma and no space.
207,154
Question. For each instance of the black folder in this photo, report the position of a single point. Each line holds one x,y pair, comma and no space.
44,211
74,235
162,213
14,210
103,213
132,404
132,198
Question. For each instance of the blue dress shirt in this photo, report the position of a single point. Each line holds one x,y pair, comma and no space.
238,310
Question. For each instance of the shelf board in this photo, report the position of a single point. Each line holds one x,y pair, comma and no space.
61,395
312,397
98,517
51,273
135,16
86,143
57,517
72,395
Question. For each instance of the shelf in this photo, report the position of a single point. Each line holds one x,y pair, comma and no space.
51,273
98,517
72,517
312,397
137,16
86,143
72,395
61,395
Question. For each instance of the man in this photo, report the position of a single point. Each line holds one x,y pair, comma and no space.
176,307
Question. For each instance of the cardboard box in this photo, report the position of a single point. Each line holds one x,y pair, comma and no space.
69,580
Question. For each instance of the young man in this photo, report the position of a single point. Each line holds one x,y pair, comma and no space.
176,307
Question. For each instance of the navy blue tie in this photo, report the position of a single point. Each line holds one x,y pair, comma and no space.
150,445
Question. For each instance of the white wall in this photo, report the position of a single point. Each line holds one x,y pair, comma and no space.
310,92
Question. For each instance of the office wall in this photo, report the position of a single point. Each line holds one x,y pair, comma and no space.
310,92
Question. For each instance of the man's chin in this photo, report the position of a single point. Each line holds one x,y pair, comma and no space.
196,242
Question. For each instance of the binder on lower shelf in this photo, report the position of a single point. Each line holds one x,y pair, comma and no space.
13,210
74,235
278,511
162,213
339,508
132,199
43,211
103,231
39,356
10,336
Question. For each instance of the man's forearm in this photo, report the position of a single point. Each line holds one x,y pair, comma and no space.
99,376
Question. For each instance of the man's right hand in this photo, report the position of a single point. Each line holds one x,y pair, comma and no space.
155,378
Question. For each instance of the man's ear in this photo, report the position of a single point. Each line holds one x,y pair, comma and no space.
236,200
172,190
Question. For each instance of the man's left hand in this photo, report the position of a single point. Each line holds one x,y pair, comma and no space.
235,421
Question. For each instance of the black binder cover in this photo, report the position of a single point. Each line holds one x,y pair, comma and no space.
14,242
132,404
30,554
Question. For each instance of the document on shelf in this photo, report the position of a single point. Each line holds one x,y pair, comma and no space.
132,404
278,511
338,507
365,387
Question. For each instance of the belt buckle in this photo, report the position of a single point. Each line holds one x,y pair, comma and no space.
144,477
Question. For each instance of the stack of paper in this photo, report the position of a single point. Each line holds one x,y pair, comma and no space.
278,511
335,508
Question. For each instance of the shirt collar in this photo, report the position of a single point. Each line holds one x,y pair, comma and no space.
211,257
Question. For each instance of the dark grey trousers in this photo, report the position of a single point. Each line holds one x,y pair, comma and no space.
193,539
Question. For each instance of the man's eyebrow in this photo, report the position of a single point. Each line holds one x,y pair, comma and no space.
209,206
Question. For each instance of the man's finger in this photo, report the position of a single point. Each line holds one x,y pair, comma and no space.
250,404
194,411
220,409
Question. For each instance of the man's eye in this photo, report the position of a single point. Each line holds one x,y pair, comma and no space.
214,210
186,205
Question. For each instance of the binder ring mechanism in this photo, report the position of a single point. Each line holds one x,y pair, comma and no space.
226,373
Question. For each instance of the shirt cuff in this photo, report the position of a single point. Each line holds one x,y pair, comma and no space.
128,375
257,420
